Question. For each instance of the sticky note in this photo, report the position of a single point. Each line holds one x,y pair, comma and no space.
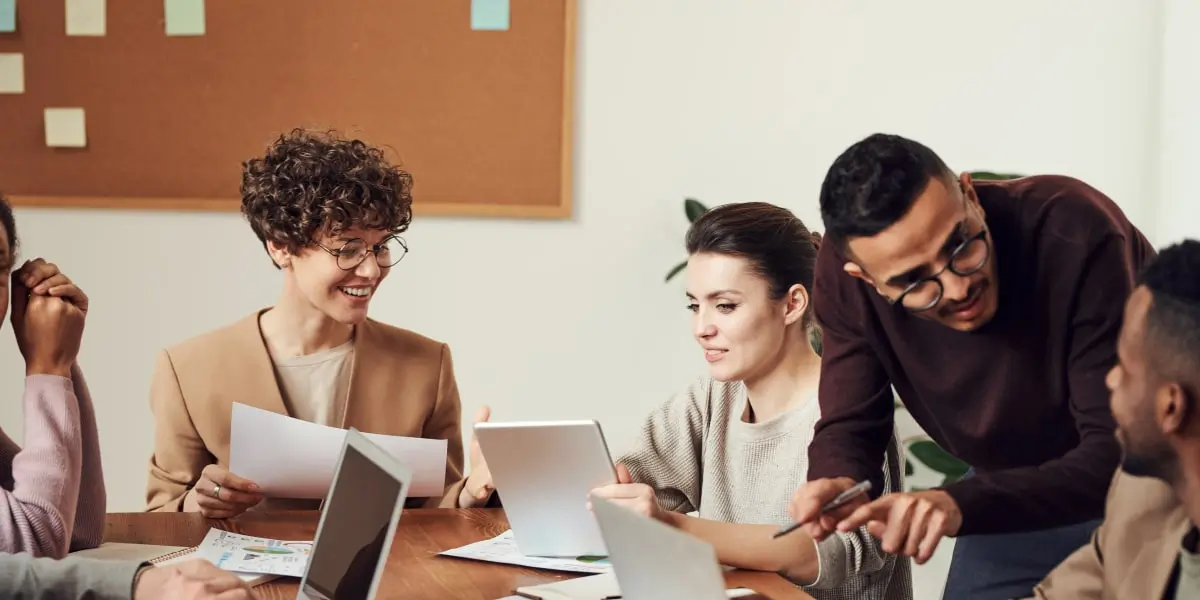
489,15
65,128
12,73
87,17
184,17
8,16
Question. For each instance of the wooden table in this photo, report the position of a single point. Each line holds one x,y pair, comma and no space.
414,570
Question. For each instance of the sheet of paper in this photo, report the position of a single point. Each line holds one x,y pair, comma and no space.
87,17
489,15
12,73
65,128
184,17
292,458
8,16
249,554
503,549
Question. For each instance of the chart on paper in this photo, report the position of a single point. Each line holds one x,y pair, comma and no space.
248,554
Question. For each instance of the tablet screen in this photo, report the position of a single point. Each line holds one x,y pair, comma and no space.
347,551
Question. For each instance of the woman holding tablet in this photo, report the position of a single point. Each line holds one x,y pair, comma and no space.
733,446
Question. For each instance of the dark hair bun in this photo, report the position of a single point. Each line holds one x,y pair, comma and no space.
815,236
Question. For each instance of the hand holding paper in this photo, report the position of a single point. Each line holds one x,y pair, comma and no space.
291,458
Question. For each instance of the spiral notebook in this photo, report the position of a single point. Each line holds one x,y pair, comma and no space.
159,556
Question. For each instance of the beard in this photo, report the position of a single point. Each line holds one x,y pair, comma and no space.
1155,461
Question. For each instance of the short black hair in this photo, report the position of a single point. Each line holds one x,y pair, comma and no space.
874,183
1173,319
10,227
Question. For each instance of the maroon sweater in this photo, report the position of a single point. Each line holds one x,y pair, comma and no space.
1022,399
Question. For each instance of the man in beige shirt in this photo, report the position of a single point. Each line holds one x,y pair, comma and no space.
1148,547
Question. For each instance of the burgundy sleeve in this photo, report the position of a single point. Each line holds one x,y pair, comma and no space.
1070,489
855,392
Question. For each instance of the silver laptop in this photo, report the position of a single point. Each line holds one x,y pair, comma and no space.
654,561
358,521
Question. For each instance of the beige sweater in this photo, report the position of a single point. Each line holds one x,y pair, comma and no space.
700,456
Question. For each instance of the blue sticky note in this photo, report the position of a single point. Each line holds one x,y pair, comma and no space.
489,15
184,17
8,16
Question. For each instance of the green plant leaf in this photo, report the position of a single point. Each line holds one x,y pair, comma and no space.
908,468
693,209
932,456
993,176
675,271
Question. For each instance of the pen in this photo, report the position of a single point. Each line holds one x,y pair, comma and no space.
861,487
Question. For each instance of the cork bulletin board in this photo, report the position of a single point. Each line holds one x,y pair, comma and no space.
481,118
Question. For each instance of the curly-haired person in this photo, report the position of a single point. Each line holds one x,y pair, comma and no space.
329,212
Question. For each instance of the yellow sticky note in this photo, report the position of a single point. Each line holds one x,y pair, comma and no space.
65,128
12,73
87,17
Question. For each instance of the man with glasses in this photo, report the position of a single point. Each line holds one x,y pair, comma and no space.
992,309
329,212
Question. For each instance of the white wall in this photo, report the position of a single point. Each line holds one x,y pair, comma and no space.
1178,206
719,100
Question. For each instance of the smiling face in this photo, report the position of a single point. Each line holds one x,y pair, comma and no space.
341,295
742,330
944,217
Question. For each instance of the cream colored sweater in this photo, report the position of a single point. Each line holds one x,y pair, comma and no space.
700,456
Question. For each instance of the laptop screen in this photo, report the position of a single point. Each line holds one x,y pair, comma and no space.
357,519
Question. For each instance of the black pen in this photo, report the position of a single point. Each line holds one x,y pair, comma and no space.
861,487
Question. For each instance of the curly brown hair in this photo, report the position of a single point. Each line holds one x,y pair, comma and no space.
310,184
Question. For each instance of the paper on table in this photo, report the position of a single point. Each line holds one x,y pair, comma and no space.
87,17
502,549
249,554
292,458
12,73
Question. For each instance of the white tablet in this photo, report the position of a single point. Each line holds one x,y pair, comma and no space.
358,522
544,472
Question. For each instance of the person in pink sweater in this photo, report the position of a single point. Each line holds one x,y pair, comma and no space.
52,498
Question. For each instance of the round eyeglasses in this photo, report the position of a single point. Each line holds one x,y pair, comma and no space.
354,252
968,258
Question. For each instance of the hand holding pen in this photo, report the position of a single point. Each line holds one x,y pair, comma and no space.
819,505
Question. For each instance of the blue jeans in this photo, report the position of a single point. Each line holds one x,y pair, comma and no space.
1007,565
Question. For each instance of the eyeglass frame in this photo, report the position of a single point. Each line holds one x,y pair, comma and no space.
375,249
982,234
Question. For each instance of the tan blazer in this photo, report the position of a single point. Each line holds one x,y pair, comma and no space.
1133,554
402,384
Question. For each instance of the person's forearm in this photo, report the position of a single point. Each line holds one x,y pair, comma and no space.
38,514
89,514
1060,492
751,547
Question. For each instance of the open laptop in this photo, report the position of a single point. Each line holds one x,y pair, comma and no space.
654,561
544,471
358,521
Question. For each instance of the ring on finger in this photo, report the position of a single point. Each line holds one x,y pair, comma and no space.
216,493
